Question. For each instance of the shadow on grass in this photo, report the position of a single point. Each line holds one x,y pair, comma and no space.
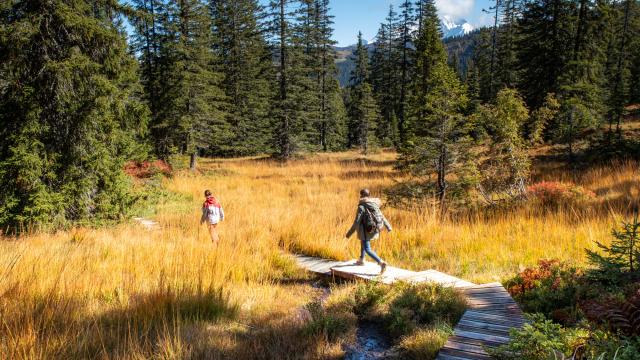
361,162
150,326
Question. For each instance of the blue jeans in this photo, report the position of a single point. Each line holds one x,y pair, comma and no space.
365,247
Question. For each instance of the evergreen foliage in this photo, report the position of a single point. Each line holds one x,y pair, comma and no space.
69,112
620,260
245,60
362,108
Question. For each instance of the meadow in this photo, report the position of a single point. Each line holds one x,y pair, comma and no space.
125,292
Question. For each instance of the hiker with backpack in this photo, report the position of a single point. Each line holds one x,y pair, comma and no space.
212,213
368,224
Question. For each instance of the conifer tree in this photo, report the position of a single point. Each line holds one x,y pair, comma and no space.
543,48
439,144
362,107
429,52
406,23
196,103
329,110
382,82
70,112
506,67
244,58
580,91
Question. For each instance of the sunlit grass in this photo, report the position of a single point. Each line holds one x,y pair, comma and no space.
125,292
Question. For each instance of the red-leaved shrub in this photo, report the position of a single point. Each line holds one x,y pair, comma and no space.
553,192
147,169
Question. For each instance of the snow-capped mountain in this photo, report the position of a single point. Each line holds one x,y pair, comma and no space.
451,27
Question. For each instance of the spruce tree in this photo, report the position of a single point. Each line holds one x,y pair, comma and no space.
581,95
543,48
506,65
382,82
439,144
245,60
294,101
196,103
406,23
362,107
429,52
70,112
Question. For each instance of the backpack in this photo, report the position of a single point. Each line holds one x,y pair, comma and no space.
371,220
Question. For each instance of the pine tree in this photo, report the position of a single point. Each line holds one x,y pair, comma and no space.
543,48
329,110
580,91
70,112
147,41
506,65
406,23
245,60
362,107
439,142
619,79
382,82
196,103
620,260
429,52
294,99
482,61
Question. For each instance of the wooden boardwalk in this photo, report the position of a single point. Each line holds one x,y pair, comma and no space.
371,271
491,312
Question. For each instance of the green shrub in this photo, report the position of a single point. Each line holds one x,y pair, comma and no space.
368,295
329,323
551,288
606,345
541,339
424,343
423,304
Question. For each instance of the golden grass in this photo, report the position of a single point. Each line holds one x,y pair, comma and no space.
125,292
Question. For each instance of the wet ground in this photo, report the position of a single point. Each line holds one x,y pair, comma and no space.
371,343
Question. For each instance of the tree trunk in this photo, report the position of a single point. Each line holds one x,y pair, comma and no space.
192,161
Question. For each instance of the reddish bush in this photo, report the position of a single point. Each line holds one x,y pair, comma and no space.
553,192
147,169
549,288
620,316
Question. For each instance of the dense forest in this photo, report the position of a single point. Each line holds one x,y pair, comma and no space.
81,93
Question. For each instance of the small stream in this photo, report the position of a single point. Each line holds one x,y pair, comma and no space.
371,343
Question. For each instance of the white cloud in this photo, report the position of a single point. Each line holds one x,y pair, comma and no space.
455,8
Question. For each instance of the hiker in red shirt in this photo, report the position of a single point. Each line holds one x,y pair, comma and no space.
212,213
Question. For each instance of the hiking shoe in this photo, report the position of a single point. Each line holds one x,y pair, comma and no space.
359,262
383,268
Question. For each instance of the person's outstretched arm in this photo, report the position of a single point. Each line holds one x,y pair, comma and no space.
386,223
356,222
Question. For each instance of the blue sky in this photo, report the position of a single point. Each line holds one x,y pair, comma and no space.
352,16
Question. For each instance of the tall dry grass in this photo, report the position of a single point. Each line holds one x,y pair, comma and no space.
126,293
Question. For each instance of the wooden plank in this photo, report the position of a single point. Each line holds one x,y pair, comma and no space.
449,357
490,319
463,346
483,330
483,337
480,324
476,342
465,354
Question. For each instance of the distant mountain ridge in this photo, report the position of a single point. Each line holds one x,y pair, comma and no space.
454,33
